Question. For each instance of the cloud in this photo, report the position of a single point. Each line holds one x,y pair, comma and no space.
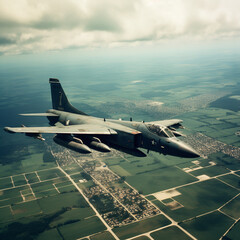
5,40
32,25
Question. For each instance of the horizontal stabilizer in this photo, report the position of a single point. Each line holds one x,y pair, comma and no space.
39,114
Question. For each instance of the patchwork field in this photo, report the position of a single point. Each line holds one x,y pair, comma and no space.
161,179
210,226
82,228
46,197
141,227
170,233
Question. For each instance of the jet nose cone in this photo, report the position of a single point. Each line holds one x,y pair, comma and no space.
190,153
187,151
184,150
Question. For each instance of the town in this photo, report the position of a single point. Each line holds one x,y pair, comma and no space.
116,201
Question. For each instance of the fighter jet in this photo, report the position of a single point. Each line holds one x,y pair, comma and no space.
80,132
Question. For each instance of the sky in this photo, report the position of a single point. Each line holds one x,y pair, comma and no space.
33,26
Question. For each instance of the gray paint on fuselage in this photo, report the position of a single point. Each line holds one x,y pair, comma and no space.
149,140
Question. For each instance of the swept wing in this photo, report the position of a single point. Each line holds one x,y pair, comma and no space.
39,114
71,129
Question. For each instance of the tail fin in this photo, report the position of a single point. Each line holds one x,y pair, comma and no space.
59,98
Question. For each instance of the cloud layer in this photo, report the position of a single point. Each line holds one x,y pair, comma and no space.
33,25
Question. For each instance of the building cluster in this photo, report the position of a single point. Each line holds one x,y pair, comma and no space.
134,202
118,203
118,218
206,145
109,207
104,176
199,101
62,155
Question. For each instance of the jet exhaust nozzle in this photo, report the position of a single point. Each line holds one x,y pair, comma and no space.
71,144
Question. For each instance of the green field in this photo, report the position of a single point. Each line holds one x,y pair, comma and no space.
5,182
49,174
6,214
234,233
33,162
231,179
47,193
119,170
76,177
211,171
103,235
199,198
141,227
72,169
32,178
32,159
29,164
26,209
231,140
114,161
170,233
63,184
160,179
49,234
42,187
73,214
227,161
87,184
11,196
10,201
59,201
211,226
68,188
151,198
142,238
19,180
82,228
153,161
232,208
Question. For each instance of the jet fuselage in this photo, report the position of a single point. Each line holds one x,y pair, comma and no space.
80,132
142,137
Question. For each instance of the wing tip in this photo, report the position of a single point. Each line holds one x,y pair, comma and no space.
8,129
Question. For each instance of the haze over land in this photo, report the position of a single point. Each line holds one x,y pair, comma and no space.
149,60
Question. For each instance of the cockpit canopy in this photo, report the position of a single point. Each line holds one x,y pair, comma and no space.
160,130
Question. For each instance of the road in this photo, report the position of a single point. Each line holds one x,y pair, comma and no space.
90,204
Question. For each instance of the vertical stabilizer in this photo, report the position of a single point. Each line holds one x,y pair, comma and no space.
59,98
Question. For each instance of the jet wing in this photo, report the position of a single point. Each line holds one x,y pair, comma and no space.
71,129
39,114
168,123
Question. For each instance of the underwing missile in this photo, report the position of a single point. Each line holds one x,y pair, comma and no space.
95,143
99,146
72,144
